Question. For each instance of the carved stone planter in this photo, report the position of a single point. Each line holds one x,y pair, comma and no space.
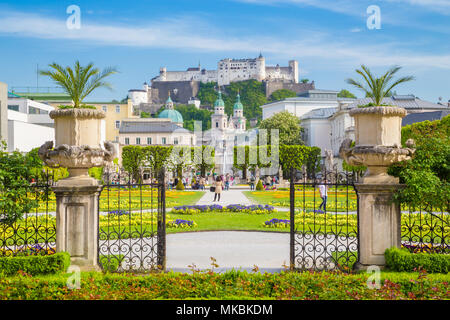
77,135
378,142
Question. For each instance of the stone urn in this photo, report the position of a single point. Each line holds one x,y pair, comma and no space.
77,137
378,143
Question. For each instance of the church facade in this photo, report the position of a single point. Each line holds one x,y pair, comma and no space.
226,131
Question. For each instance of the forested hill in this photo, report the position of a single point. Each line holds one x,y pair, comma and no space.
252,96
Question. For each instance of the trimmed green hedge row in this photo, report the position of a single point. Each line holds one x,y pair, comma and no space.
35,265
403,260
229,285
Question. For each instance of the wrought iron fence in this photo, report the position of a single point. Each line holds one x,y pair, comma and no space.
132,223
324,234
34,233
425,230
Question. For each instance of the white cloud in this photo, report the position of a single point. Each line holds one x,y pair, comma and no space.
196,35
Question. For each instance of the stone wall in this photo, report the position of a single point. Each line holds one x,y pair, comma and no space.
271,86
184,91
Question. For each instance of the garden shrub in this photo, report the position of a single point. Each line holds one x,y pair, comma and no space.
259,186
34,265
229,285
180,185
111,262
403,260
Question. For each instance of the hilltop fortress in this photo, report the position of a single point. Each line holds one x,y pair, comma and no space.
184,85
232,70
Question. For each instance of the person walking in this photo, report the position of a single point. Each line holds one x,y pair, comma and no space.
252,182
323,190
227,183
218,189
202,183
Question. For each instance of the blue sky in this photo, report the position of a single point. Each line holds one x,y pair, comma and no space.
329,38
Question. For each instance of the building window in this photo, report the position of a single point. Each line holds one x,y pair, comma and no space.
127,141
149,140
163,140
175,140
105,108
217,124
117,139
14,107
138,140
117,124
117,109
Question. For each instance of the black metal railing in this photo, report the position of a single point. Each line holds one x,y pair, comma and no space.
425,230
34,232
323,235
132,223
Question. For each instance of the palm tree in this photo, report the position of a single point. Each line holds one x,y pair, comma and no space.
378,88
80,81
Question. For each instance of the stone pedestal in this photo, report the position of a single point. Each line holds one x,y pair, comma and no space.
379,223
77,224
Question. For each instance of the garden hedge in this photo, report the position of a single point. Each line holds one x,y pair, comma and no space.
403,260
35,265
229,285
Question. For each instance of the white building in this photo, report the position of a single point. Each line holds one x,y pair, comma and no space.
304,103
232,70
29,124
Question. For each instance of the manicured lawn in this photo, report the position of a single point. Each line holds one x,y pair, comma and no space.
308,198
229,285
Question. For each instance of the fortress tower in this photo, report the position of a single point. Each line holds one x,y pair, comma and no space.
260,68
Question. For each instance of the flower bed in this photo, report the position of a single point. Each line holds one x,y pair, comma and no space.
427,248
179,223
27,250
277,223
195,209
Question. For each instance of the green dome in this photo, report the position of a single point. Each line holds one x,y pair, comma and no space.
171,114
219,102
238,104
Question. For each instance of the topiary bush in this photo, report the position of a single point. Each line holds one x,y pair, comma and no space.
34,265
180,185
259,186
403,260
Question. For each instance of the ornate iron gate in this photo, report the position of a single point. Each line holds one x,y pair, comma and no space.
323,237
132,223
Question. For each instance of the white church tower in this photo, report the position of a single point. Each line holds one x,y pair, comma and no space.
219,118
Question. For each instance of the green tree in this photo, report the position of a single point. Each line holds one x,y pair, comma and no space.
427,175
157,157
378,88
282,94
288,125
295,156
16,173
80,81
304,80
346,94
207,93
132,161
203,159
